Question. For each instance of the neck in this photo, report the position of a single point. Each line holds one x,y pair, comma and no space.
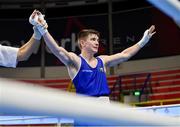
87,56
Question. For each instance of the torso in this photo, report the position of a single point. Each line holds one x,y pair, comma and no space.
90,78
73,69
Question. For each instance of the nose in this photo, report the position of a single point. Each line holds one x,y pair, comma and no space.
97,42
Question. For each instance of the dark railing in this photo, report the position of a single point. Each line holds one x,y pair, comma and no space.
145,90
118,84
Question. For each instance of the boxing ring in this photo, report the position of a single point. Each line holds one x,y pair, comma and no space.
30,102
25,103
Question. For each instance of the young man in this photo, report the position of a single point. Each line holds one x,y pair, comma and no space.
10,56
86,71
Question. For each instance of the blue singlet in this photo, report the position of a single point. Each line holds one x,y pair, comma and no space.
91,81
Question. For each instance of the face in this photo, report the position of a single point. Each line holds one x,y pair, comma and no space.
91,43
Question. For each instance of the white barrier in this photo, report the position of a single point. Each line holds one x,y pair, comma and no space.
17,98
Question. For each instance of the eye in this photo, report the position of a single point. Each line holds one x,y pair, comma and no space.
93,39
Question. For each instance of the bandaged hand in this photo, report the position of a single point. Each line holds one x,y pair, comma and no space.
147,35
33,19
37,19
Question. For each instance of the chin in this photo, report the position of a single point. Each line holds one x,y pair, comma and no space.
95,51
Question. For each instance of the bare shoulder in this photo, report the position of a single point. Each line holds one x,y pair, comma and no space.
103,58
73,54
75,58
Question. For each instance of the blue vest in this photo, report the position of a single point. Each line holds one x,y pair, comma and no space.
91,81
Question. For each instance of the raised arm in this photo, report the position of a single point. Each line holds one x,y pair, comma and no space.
115,59
61,53
66,57
30,47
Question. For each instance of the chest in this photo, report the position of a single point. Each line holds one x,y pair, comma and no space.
91,64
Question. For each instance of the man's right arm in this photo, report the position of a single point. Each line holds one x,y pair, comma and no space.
68,58
62,54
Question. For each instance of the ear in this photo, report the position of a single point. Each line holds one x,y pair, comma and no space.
82,42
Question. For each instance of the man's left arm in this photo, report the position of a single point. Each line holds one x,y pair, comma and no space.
117,58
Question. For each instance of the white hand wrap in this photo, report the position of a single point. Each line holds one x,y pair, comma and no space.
43,26
37,35
33,21
41,18
144,39
42,29
40,23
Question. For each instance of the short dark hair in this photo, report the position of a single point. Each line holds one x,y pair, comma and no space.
85,32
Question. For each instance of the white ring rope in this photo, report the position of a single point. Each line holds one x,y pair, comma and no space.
169,7
17,98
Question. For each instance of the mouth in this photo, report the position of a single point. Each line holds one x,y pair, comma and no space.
96,47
